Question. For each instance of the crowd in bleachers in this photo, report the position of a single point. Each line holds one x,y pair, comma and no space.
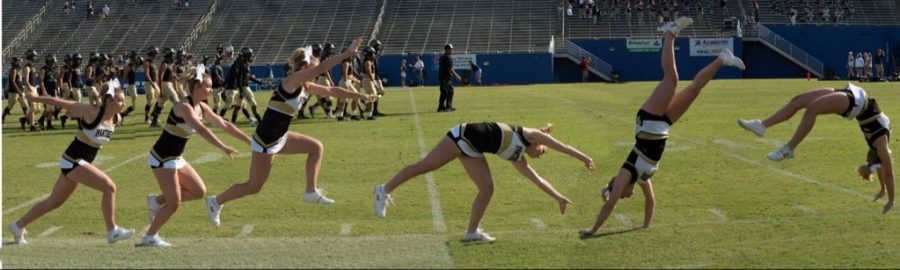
640,12
810,11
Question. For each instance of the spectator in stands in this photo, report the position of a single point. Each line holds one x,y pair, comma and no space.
419,66
755,14
867,57
220,51
723,4
792,16
850,65
445,103
879,64
596,13
858,64
628,11
826,14
187,3
90,10
584,68
640,12
105,13
66,7
403,67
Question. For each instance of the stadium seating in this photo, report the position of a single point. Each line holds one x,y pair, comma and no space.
15,15
867,12
416,26
274,28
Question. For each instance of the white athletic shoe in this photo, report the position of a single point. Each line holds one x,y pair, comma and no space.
478,236
254,122
152,207
756,126
730,60
605,193
118,234
18,233
676,26
153,241
317,197
213,210
782,153
382,199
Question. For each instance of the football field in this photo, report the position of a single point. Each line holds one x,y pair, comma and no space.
719,202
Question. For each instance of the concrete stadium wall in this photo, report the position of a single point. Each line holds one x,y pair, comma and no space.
644,66
831,43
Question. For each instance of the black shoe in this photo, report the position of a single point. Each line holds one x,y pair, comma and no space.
354,118
451,109
51,127
63,119
312,112
33,128
370,118
340,118
441,109
154,124
378,114
22,122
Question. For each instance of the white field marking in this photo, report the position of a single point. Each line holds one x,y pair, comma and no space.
210,157
624,143
242,155
805,209
49,231
772,142
718,213
42,197
797,176
732,144
345,228
539,224
55,164
686,266
624,220
437,214
247,229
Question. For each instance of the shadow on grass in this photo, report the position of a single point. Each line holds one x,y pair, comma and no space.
600,235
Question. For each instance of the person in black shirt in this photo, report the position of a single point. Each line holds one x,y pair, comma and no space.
379,88
218,82
15,88
49,87
445,104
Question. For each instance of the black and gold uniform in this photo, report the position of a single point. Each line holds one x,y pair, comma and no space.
504,140
872,121
90,137
269,137
167,151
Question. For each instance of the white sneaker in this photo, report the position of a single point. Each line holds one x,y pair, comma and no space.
118,234
730,60
18,233
676,26
330,115
782,153
254,122
152,207
478,236
317,197
213,210
605,193
153,241
382,199
756,126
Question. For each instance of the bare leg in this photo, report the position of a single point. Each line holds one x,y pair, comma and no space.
61,192
444,152
478,170
661,97
95,178
798,102
684,98
171,191
302,144
260,167
831,103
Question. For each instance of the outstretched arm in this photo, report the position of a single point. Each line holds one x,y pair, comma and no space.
884,153
217,121
526,170
296,78
537,136
187,113
77,110
649,203
335,91
618,187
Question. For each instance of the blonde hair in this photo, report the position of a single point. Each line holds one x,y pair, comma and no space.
193,82
296,59
864,172
547,128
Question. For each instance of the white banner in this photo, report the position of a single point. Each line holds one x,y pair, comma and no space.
710,46
643,44
461,61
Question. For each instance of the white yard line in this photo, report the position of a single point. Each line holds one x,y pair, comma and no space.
805,209
802,178
346,228
42,197
437,214
539,224
624,220
50,231
247,229
718,213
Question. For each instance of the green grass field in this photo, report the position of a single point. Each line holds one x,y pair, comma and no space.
720,202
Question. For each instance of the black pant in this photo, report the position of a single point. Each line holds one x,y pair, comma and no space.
446,100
